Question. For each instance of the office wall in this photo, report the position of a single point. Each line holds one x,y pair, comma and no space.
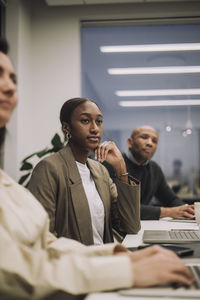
18,31
47,60
45,48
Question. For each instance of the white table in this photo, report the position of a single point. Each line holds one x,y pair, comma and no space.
134,240
115,296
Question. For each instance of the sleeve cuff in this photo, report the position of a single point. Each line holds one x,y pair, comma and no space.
112,273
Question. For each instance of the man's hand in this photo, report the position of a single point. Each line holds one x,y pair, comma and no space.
178,211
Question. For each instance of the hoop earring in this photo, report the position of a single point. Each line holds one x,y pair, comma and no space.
67,136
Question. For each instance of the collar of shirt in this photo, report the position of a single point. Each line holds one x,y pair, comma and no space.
132,158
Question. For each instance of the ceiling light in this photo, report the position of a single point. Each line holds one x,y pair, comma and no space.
189,131
154,70
172,92
151,48
168,128
159,103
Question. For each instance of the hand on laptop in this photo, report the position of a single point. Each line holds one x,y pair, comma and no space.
178,211
155,266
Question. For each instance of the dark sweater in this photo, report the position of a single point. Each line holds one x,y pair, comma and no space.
153,184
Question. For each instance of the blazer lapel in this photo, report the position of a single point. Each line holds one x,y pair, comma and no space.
78,197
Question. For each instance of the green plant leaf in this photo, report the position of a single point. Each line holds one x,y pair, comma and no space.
26,158
50,150
42,153
57,143
23,178
26,166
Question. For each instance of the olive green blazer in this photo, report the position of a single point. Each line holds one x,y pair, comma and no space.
57,184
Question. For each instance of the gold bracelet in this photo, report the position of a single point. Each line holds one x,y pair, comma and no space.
124,174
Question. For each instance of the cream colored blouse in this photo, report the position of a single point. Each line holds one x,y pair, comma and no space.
34,264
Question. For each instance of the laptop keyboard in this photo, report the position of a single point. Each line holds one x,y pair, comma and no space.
196,273
180,235
195,270
173,291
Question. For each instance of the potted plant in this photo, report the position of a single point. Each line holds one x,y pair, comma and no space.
27,166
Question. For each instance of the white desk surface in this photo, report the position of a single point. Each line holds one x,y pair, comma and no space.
116,296
134,240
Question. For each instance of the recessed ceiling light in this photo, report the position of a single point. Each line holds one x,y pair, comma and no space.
189,131
151,48
168,128
154,70
160,103
171,92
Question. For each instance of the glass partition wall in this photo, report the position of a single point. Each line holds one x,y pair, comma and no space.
149,75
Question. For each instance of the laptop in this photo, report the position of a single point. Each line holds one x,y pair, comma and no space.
173,236
183,219
180,292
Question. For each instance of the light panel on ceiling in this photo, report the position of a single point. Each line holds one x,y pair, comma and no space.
151,48
158,92
154,70
191,102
